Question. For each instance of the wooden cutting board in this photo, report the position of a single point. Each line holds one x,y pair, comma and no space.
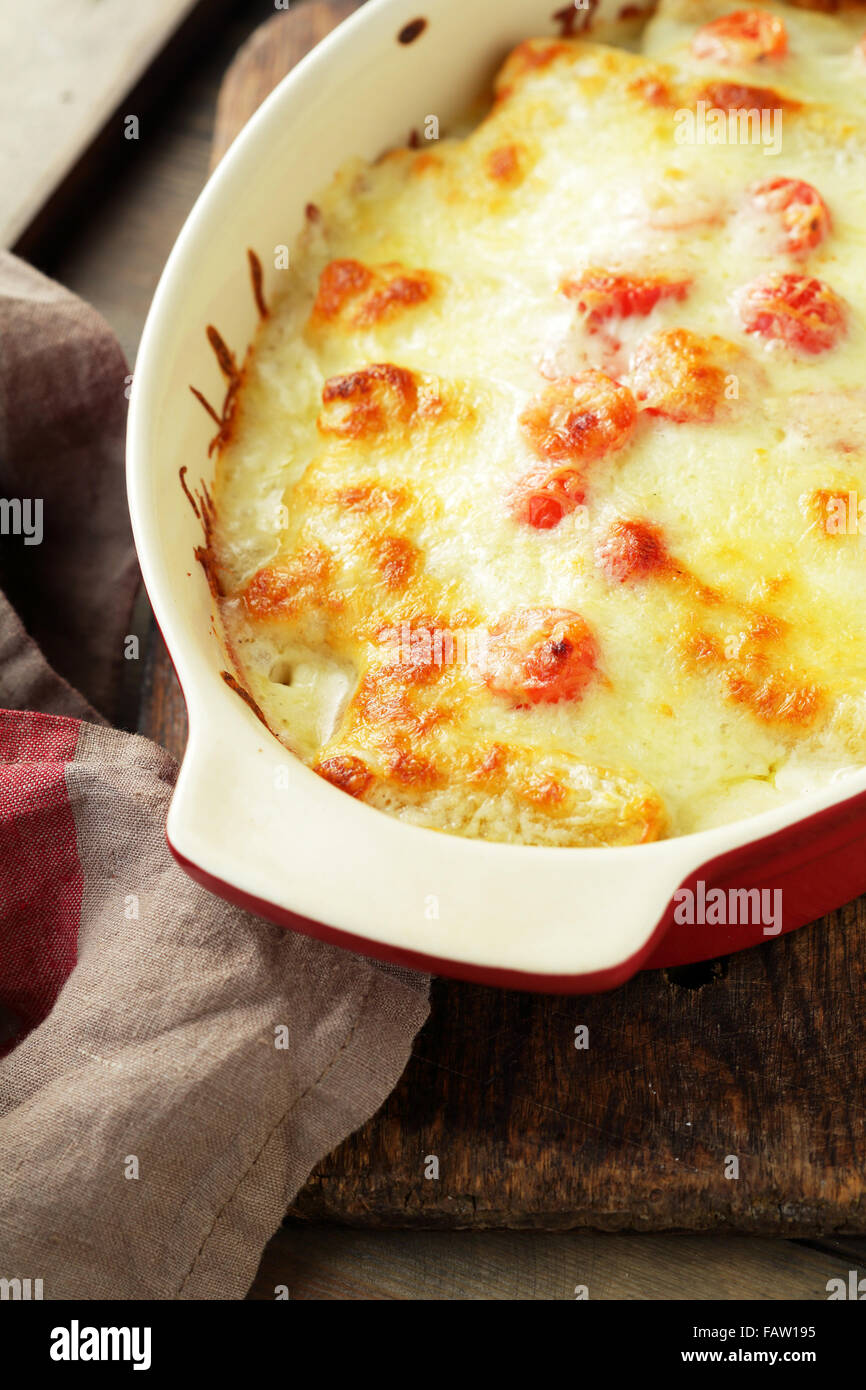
753,1065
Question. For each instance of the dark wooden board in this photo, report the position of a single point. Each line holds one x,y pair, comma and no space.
760,1057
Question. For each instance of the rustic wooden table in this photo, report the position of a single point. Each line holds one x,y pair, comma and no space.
111,253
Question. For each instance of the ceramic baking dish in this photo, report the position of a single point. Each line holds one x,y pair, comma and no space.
250,821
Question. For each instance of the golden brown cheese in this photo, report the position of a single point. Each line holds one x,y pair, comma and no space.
529,525
362,296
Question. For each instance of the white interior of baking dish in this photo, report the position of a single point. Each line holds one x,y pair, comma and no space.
245,811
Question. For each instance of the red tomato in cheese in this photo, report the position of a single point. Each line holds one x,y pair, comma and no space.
540,656
580,418
744,36
542,498
794,309
604,294
801,210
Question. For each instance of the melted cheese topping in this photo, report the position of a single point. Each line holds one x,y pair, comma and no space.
538,514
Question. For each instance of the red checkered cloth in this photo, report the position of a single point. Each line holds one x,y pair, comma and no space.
152,1129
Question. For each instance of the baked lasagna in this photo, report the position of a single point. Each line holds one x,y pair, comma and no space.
537,510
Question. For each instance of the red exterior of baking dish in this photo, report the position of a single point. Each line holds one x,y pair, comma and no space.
818,863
